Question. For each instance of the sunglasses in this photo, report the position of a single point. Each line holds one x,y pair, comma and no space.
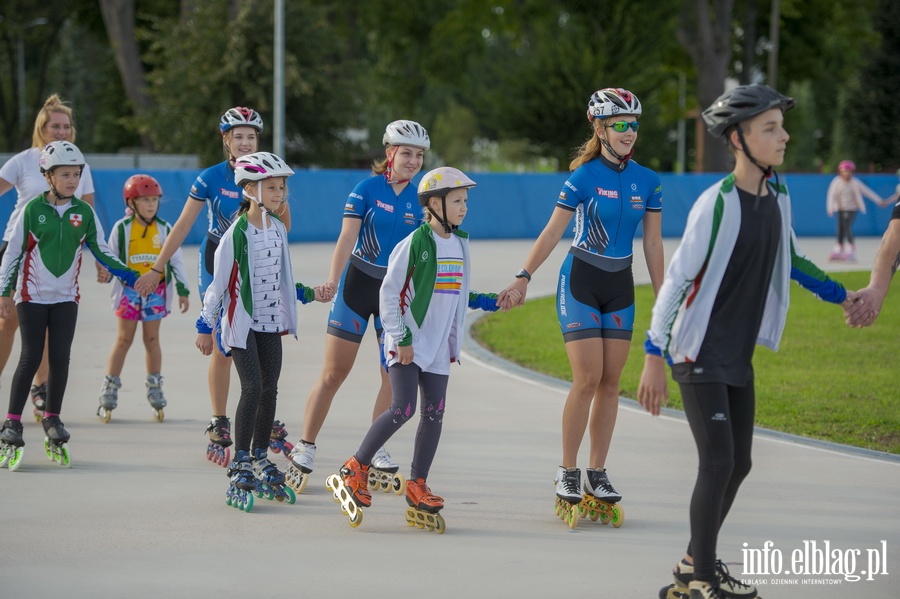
622,126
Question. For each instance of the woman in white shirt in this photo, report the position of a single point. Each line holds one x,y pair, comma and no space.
54,122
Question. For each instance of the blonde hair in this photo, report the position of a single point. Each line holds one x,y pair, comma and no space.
52,104
226,148
591,148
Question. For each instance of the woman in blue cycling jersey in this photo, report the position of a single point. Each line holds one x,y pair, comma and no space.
380,212
215,189
610,195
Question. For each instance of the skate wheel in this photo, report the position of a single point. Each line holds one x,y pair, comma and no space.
247,504
104,415
158,415
47,449
439,525
399,484
15,460
63,457
38,416
356,519
290,497
386,487
618,516
288,448
604,516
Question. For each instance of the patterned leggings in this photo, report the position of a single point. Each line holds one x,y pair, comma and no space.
259,367
405,382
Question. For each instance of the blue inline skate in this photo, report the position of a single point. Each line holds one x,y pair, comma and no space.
269,479
242,484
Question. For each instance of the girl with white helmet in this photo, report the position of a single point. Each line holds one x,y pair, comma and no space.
137,240
423,301
215,189
610,195
251,322
845,199
54,122
380,211
41,266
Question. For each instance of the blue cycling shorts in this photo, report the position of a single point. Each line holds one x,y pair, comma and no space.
591,302
355,301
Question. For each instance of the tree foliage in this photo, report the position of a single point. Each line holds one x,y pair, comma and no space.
501,84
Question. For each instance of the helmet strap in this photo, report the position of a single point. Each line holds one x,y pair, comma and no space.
60,199
389,173
623,160
767,171
448,228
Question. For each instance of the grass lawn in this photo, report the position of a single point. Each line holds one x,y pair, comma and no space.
827,381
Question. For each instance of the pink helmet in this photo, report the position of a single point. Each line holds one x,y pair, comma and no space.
846,165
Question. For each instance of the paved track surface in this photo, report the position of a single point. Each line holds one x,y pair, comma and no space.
142,512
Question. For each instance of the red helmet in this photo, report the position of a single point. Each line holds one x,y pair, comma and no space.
138,186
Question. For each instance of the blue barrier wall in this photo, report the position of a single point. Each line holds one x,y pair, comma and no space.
503,206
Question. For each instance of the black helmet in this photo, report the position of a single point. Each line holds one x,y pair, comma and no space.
742,103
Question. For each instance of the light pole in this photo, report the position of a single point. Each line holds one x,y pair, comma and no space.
278,138
20,55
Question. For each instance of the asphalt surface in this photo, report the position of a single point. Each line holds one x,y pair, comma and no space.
142,512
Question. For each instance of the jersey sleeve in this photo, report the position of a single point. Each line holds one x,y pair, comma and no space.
199,188
654,200
812,278
357,204
570,196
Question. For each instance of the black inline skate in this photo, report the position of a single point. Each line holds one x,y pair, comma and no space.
269,479
217,451
12,445
55,441
278,440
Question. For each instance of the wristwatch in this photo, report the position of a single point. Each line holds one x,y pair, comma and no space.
523,274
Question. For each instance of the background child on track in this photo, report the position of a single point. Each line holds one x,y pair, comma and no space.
54,122
377,215
215,189
845,199
252,301
726,290
423,302
41,265
137,240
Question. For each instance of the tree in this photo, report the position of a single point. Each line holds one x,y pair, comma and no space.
705,32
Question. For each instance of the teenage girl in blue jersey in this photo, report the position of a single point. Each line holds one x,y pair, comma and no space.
381,211
610,195
215,189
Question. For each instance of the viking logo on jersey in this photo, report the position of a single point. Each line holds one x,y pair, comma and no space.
75,220
385,207
608,193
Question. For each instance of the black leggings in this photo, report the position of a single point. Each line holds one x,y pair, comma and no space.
56,323
405,383
259,367
721,419
845,226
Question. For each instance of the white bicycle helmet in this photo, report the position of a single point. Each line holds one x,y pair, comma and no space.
240,117
613,101
60,153
406,133
440,181
259,166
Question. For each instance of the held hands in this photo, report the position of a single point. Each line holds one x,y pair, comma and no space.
147,283
862,308
324,292
103,275
183,303
506,299
7,305
653,389
205,343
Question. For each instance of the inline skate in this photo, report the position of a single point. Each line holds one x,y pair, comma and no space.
568,494
109,397
350,489
424,507
155,395
217,451
600,499
39,399
383,473
242,483
302,457
278,440
12,445
55,441
269,479
730,587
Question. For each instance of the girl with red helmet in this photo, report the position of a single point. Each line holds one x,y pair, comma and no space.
137,240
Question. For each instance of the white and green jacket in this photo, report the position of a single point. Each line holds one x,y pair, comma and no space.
176,275
43,258
684,304
228,302
408,287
